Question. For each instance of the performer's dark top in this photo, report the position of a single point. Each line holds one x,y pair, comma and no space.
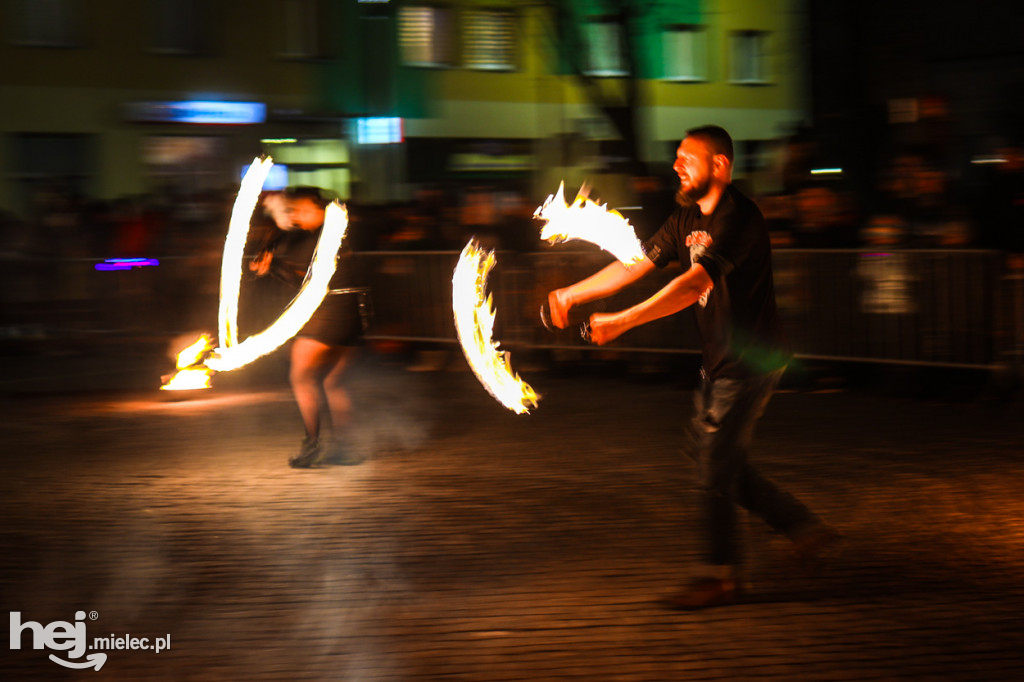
738,320
337,321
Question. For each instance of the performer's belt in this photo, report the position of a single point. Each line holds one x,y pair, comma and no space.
364,303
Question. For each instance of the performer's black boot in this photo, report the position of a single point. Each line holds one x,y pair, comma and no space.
309,455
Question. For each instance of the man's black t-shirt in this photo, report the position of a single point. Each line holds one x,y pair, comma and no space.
737,317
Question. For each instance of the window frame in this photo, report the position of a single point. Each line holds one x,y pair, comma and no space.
72,26
450,60
200,36
588,70
512,17
703,48
763,77
315,13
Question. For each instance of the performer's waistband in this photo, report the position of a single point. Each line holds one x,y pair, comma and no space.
349,290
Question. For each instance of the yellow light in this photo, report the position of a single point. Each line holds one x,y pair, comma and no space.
189,380
191,374
474,323
230,356
588,221
234,247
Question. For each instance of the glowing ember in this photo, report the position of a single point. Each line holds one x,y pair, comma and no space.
325,259
588,221
189,379
191,373
474,322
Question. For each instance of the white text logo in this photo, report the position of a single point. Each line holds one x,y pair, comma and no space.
63,636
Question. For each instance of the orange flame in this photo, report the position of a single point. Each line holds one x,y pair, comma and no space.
231,354
474,322
191,374
588,221
315,287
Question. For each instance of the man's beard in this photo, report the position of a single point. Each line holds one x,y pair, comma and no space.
689,197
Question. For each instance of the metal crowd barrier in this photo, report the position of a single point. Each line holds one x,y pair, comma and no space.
928,307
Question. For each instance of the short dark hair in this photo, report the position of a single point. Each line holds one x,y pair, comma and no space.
716,138
320,197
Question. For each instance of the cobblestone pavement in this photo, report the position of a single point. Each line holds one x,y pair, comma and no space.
474,544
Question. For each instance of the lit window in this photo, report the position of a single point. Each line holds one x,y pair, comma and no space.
47,23
425,36
178,27
685,53
490,39
301,28
379,130
604,48
749,62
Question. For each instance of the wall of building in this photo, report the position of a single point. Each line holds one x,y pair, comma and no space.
83,89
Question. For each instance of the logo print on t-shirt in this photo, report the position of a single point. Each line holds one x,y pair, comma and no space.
698,242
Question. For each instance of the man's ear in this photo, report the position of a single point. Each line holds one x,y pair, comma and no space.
721,164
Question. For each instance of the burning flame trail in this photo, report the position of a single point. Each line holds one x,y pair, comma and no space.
234,246
474,322
300,309
231,354
191,373
588,221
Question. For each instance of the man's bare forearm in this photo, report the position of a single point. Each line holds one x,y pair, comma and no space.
680,293
611,279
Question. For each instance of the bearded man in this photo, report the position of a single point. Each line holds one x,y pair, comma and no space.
720,238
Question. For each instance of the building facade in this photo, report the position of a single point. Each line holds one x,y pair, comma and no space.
127,97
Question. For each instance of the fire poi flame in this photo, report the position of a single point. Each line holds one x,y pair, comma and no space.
191,374
588,221
231,354
234,246
474,323
300,309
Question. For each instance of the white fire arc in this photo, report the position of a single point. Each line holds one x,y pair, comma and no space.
589,221
474,323
232,354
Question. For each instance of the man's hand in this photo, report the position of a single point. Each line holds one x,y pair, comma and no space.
261,263
558,307
605,328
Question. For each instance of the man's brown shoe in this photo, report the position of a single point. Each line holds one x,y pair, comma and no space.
704,593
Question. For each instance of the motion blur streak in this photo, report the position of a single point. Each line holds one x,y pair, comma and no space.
588,221
474,322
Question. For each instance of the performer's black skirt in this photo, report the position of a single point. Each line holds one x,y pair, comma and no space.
337,322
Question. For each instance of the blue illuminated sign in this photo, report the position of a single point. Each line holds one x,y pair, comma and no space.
198,111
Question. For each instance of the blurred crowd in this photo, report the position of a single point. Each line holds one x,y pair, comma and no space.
923,192
926,188
920,186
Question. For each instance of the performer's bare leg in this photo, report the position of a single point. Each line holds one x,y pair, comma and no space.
310,362
316,378
338,403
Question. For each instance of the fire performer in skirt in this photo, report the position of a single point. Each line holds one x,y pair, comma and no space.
324,347
720,236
